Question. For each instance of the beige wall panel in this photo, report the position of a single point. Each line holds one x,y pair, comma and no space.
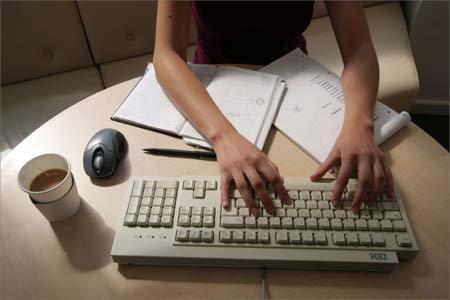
41,38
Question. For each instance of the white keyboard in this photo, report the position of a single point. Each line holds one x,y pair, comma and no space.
179,221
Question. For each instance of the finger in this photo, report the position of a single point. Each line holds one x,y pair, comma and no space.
364,179
388,180
225,189
329,163
341,181
378,181
242,186
274,178
260,187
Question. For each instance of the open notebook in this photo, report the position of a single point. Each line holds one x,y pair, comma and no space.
248,99
312,112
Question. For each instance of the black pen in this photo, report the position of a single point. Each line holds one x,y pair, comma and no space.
180,153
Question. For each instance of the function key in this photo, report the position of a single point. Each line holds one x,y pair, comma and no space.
305,195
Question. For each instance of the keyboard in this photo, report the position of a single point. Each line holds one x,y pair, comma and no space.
180,221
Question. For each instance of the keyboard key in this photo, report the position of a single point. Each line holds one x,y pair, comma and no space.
244,212
148,192
311,223
316,195
294,238
274,222
388,206
200,184
159,193
352,239
304,195
338,239
324,224
281,237
392,215
299,223
230,211
378,240
137,189
351,215
149,184
386,225
209,211
208,221
207,236
166,221
156,210
364,214
328,213
365,240
293,195
263,222
299,204
185,210
239,236
144,210
361,225
211,185
130,220
184,220
196,221
167,184
307,238
377,215
169,202
197,210
146,201
336,224
277,203
322,204
320,238
399,225
158,201
250,237
303,213
199,193
263,237
291,213
195,235
188,185
311,204
232,222
385,197
280,212
340,214
373,225
153,220
133,205
347,205
168,211
250,222
348,224
225,236
327,195
286,223
182,235
403,240
316,213
171,193
240,203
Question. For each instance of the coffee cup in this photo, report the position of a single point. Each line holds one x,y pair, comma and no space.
48,181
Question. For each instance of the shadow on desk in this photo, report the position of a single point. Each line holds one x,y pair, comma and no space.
121,174
86,239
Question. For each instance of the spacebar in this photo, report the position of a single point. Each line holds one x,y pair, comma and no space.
232,222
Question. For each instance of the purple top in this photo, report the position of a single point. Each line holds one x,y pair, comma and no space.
253,32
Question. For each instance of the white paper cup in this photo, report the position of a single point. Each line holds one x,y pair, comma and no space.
40,164
58,202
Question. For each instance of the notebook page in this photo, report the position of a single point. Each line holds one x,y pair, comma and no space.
147,105
243,96
312,112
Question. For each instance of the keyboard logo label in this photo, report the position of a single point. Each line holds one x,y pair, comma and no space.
377,256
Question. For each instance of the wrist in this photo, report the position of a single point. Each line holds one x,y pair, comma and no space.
217,136
359,122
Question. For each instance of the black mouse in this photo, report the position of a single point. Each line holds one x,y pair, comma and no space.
104,152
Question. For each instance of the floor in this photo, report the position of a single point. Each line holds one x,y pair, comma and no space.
436,126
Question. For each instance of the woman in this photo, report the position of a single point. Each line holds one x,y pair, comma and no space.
258,33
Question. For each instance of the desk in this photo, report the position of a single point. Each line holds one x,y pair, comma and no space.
71,259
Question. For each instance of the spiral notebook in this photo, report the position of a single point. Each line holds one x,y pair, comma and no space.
248,99
312,111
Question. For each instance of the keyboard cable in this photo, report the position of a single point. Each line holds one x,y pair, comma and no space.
263,284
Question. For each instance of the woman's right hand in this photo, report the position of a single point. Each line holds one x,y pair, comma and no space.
250,168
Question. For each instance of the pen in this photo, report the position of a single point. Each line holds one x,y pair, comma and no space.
180,153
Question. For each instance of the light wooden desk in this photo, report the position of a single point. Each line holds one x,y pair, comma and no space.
71,259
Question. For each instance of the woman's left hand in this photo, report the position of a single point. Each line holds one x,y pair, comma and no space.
355,150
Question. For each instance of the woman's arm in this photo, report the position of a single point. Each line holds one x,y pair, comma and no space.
238,158
355,149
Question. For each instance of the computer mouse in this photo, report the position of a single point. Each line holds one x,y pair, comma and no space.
104,152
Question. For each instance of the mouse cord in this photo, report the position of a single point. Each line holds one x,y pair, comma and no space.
263,284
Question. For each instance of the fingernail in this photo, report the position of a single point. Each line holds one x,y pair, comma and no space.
225,204
255,212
